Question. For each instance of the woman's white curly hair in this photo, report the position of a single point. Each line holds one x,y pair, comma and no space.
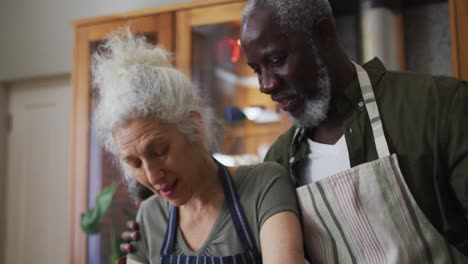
136,80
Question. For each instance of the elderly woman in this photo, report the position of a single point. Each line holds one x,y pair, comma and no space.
153,120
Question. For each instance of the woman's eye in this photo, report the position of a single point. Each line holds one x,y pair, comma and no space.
135,164
160,153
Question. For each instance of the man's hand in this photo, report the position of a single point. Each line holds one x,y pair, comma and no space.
122,260
132,233
129,235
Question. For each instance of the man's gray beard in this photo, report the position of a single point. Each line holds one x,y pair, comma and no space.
316,109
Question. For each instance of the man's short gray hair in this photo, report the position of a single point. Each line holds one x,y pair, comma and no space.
136,80
293,15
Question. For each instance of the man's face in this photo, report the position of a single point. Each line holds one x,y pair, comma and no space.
288,68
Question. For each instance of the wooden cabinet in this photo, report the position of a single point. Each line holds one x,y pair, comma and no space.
204,36
208,50
459,36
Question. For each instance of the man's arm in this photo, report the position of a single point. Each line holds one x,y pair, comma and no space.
457,147
132,233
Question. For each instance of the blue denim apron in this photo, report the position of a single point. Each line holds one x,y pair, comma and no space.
251,254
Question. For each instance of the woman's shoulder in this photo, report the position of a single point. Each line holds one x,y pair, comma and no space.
154,206
268,169
261,174
266,189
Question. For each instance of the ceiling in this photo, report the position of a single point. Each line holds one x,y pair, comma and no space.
350,7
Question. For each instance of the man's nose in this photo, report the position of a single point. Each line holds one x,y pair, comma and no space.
268,82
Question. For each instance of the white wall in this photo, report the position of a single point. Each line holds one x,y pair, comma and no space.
3,151
37,41
37,35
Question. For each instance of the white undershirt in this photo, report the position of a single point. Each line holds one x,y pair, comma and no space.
323,161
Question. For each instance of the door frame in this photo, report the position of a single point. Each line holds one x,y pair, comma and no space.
23,96
458,11
3,162
84,35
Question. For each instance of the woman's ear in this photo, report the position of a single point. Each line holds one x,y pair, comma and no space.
198,132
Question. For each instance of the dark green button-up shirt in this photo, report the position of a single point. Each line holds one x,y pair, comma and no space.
425,120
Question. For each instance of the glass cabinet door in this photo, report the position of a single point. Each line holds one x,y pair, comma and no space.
91,168
208,50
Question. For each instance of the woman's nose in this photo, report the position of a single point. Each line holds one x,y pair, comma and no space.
153,172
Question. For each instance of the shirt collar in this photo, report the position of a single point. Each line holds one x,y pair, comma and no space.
375,69
352,92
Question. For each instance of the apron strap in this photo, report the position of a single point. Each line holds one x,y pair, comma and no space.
237,215
169,239
373,111
237,212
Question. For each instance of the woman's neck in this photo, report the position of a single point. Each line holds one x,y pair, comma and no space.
199,214
208,192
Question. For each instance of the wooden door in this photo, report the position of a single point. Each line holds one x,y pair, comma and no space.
88,34
36,185
459,36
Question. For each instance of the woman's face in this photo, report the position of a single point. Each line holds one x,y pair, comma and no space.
161,158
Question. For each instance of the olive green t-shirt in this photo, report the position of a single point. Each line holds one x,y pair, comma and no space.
264,190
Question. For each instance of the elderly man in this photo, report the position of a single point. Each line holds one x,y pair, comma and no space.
380,158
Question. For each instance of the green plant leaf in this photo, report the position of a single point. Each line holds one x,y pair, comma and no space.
115,253
104,199
90,221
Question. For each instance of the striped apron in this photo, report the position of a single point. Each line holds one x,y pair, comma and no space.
251,254
367,214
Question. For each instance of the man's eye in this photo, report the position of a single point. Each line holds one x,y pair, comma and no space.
256,70
277,61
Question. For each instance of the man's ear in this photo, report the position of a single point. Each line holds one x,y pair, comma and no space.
324,32
198,120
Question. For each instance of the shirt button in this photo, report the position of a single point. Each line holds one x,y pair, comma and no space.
291,160
350,130
360,104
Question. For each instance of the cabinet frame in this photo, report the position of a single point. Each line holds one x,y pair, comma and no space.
85,35
206,15
458,12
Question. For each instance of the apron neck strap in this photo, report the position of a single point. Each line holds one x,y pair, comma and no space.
169,239
236,210
373,111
